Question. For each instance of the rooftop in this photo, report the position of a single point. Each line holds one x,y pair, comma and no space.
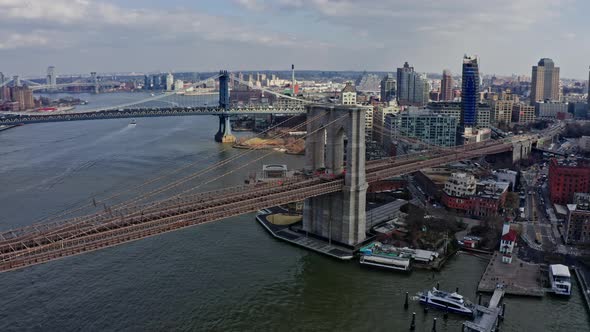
510,236
560,270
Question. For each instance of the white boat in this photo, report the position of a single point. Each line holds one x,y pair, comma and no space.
401,264
132,123
451,302
560,278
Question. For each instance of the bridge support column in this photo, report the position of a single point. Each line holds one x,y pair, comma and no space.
339,217
521,150
224,134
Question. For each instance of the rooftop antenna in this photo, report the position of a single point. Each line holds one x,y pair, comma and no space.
293,79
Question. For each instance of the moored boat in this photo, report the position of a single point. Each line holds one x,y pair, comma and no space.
560,278
451,302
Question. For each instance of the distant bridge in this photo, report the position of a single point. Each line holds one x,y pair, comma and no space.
172,103
145,112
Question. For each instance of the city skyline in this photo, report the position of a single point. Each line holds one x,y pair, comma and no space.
146,36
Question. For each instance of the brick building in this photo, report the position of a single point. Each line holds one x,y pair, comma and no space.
577,222
566,178
483,198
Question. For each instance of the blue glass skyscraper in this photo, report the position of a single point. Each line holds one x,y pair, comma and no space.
469,91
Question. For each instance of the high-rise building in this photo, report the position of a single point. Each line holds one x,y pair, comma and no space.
178,85
24,97
156,82
51,76
412,89
147,82
1,78
545,81
469,91
169,82
388,88
446,86
588,90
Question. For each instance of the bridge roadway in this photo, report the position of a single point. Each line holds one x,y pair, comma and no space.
143,112
40,243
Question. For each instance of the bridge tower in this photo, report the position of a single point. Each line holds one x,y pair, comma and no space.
224,134
340,216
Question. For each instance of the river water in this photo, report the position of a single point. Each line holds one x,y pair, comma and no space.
224,276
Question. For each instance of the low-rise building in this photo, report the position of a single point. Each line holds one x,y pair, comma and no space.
507,242
550,109
523,113
460,184
453,108
423,125
486,199
577,222
348,95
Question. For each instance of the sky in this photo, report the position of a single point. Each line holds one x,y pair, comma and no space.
79,36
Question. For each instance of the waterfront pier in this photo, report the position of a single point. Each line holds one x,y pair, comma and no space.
487,319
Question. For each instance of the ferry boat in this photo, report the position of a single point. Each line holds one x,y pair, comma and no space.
133,122
560,278
452,302
385,256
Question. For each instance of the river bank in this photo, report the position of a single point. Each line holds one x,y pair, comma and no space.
277,140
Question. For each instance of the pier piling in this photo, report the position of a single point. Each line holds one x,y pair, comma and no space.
434,324
413,324
446,313
406,304
437,285
479,299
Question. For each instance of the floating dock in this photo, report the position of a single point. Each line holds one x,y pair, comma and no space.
487,319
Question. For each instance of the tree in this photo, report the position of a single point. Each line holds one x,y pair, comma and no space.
512,201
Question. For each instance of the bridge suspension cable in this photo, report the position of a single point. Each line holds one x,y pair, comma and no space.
43,223
161,177
10,249
153,98
6,82
280,95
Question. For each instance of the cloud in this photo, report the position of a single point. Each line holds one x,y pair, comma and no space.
18,40
186,25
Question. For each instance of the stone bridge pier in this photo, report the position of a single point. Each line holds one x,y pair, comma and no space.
521,150
224,134
339,217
